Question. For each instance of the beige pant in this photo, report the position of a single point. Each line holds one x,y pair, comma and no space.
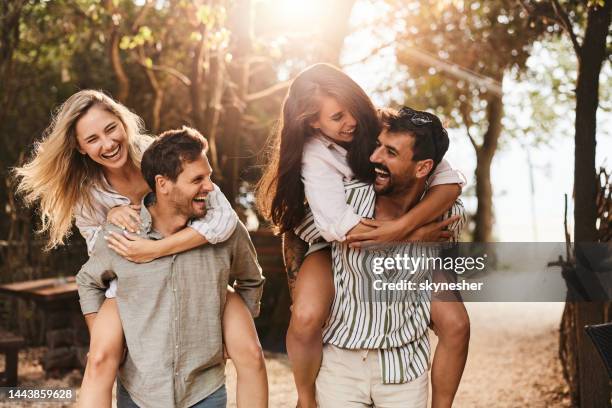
352,378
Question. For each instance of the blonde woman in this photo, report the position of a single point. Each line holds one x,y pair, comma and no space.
87,168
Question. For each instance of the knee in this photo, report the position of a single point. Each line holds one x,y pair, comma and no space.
248,355
306,321
455,329
102,363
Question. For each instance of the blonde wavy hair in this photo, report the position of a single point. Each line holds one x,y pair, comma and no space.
57,176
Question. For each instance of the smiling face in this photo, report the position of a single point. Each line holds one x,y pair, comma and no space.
334,120
188,194
101,136
396,171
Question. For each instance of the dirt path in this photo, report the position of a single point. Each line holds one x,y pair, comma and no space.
512,362
513,357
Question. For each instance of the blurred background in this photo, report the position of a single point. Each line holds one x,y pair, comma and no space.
522,85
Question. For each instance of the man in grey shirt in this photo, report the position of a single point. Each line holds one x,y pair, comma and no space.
171,308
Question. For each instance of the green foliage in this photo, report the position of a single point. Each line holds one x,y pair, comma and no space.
473,45
62,46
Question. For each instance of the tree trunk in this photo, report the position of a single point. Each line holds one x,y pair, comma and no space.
484,157
334,28
592,55
215,87
593,385
115,57
10,14
241,27
195,89
158,91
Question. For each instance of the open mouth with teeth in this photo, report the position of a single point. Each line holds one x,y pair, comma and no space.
348,133
381,175
112,154
200,199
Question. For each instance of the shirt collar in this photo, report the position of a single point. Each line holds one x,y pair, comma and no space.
145,216
330,144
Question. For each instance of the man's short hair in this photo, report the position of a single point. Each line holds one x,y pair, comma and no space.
430,137
169,151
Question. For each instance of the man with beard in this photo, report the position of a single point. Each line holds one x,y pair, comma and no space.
171,308
376,348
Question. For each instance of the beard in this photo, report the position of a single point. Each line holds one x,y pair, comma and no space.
394,186
186,207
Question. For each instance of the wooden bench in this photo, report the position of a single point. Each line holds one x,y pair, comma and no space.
9,346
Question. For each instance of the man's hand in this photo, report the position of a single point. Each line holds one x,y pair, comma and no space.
125,216
132,247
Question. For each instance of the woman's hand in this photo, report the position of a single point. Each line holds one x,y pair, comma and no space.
125,216
434,231
392,231
132,247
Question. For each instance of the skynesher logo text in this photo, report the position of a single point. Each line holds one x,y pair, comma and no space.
427,285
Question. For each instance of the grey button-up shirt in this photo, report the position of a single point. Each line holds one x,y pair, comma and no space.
171,312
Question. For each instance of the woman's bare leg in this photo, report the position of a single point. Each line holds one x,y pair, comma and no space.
452,326
312,298
105,353
244,349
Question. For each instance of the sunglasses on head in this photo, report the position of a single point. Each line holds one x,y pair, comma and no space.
415,117
421,119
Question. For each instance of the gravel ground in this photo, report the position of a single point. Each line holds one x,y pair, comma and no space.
512,362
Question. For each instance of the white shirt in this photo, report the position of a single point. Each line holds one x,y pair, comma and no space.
325,169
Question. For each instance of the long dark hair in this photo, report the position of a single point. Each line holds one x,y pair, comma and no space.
280,192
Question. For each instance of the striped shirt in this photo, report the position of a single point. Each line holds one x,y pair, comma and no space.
392,322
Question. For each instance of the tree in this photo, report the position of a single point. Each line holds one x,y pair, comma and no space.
590,20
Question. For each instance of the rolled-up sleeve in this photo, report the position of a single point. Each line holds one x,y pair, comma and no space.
245,270
324,191
89,229
220,220
457,226
446,174
92,279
